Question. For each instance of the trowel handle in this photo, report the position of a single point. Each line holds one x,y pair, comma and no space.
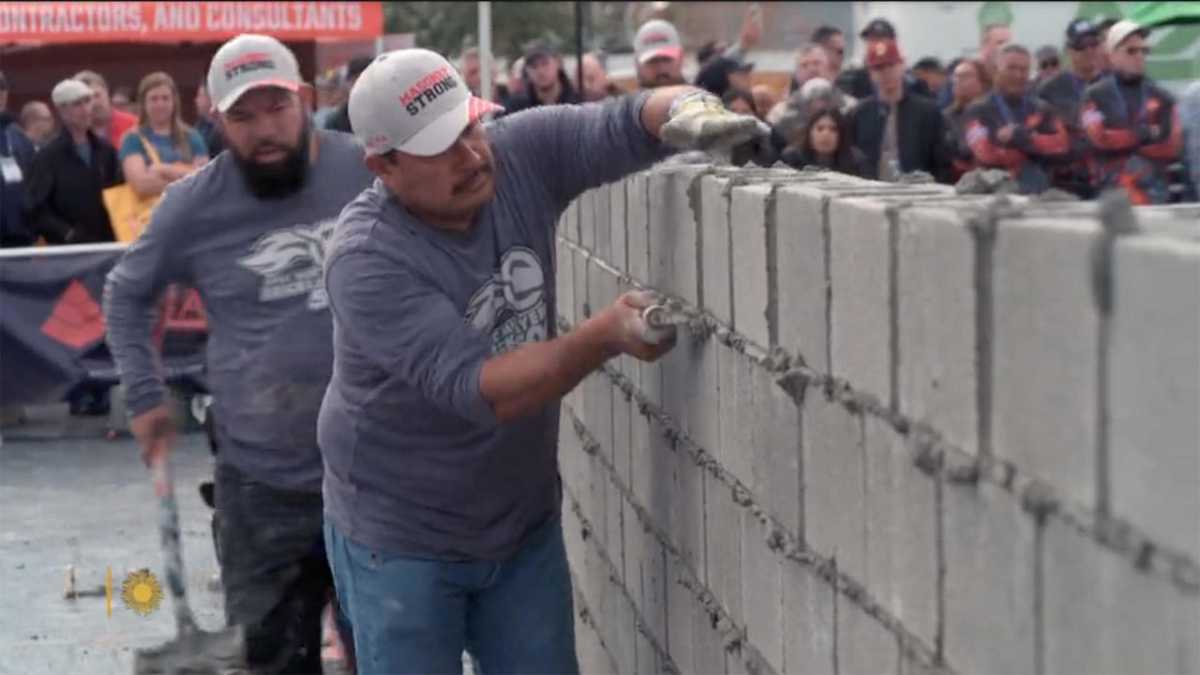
656,325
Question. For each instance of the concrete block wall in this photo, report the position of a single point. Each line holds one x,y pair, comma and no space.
906,431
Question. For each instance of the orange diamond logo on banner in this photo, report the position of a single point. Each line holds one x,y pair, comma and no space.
76,320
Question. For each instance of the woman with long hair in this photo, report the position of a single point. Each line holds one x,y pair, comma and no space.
825,143
161,148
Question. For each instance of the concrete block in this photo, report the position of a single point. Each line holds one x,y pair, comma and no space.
587,221
864,646
602,223
614,537
623,408
581,265
762,592
735,406
687,509
691,387
680,609
647,657
808,621
654,591
834,481
623,632
569,221
936,300
1154,390
1045,352
751,293
617,227
723,546
902,513
803,273
989,587
775,450
564,282
650,381
1104,616
633,544
860,331
674,230
598,409
653,471
708,646
716,263
597,510
637,221
593,658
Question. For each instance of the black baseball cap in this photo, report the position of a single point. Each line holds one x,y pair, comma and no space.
1078,30
539,48
878,28
357,65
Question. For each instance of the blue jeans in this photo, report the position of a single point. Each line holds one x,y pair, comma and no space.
413,615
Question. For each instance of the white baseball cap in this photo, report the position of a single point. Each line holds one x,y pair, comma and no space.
248,62
414,101
657,38
69,91
1120,31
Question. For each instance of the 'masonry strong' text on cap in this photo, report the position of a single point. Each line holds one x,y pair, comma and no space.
248,62
414,101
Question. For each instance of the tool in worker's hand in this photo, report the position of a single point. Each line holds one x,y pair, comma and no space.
659,322
193,650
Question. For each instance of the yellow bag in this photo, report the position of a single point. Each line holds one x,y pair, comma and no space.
129,212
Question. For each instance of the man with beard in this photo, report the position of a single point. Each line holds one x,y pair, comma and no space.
659,55
440,425
248,230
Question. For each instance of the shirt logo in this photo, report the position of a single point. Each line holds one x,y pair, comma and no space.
511,306
291,262
248,63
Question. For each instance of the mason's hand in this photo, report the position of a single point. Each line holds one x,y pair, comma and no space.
628,330
155,432
698,121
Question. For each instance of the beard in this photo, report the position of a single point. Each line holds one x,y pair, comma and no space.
660,80
276,180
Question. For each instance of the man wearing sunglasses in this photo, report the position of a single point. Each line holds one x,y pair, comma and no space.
1131,123
1064,92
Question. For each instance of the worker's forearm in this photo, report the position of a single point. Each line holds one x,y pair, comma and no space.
657,109
526,379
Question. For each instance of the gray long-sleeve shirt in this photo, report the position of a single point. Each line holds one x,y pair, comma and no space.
415,461
258,267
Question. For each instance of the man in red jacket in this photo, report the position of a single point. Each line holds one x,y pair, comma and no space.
1013,130
1131,123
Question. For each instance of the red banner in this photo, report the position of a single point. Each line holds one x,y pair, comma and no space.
57,22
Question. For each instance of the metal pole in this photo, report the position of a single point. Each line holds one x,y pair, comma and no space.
69,249
485,50
378,45
579,47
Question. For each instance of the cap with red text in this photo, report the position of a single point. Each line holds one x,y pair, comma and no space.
248,62
414,101
657,39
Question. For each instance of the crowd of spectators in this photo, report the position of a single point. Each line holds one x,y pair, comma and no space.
1080,120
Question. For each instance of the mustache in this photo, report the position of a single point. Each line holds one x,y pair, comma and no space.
485,170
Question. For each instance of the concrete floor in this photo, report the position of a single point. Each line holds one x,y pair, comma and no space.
69,497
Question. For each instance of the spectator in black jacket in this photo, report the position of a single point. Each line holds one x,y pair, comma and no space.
896,130
1013,130
857,81
971,80
546,83
1064,91
825,143
69,174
